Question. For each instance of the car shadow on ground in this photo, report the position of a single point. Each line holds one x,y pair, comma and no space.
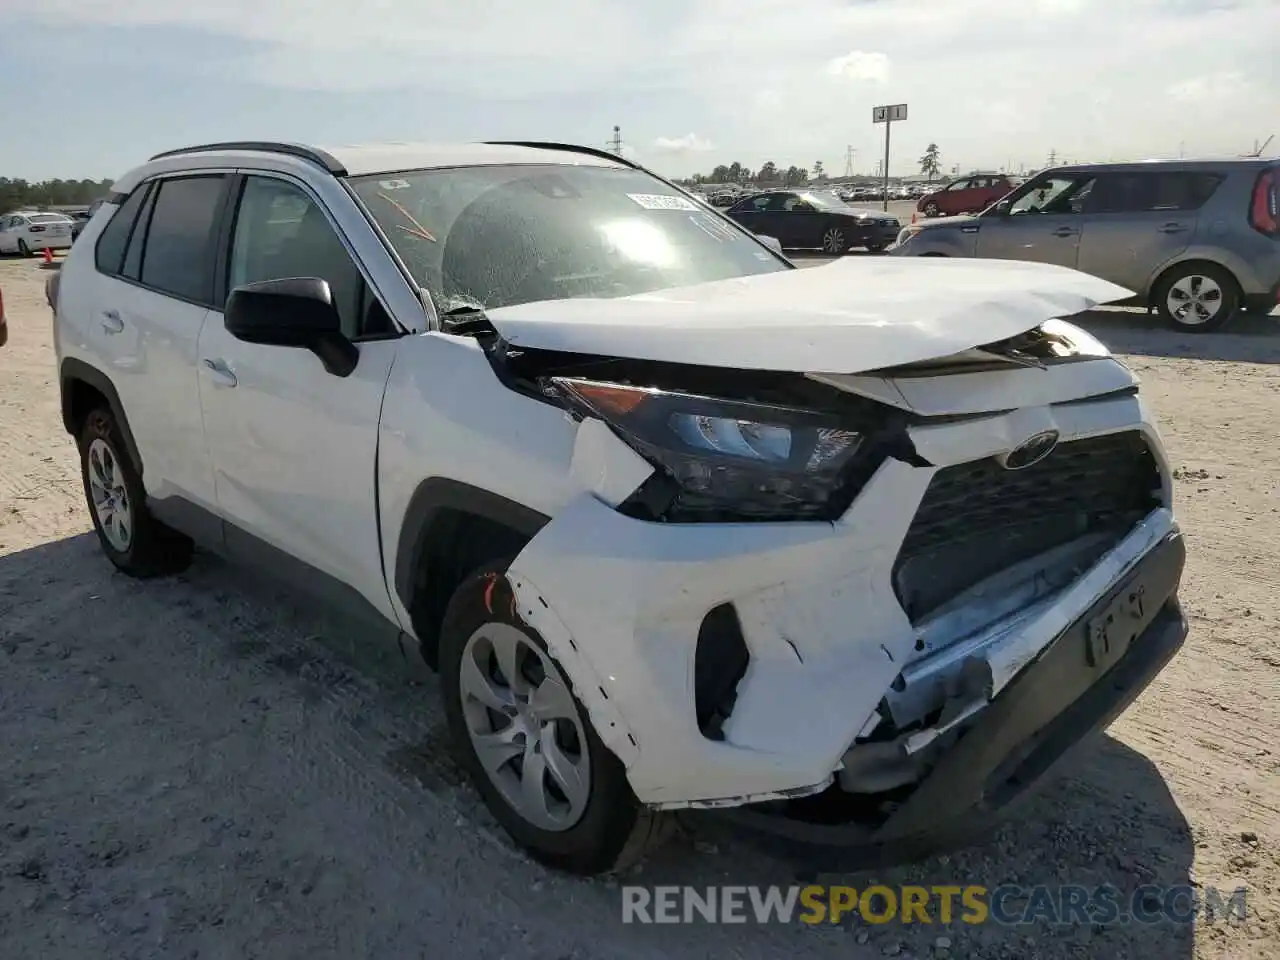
1105,819
1108,821
1250,338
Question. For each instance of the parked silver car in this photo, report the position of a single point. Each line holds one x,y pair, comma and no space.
1196,241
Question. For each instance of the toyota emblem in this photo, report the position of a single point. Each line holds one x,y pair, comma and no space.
1030,451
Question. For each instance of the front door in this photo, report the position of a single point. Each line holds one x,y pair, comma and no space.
1043,224
294,447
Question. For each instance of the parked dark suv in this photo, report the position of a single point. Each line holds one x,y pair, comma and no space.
1196,241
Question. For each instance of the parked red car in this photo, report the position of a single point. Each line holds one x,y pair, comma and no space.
971,194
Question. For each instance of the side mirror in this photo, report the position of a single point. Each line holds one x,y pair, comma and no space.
773,243
1002,208
296,312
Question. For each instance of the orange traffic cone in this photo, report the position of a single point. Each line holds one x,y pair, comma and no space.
48,255
913,218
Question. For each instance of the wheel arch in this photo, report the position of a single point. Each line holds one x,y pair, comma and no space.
1163,273
82,388
449,530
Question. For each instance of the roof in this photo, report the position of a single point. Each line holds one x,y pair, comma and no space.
361,159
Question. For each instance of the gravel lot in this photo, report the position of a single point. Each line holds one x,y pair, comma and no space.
198,767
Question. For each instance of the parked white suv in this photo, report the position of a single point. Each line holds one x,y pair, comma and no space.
859,550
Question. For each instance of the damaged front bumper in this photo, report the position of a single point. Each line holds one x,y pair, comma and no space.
624,605
1077,685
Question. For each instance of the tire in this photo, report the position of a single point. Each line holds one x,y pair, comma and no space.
610,829
876,248
931,209
23,249
146,547
1205,291
834,241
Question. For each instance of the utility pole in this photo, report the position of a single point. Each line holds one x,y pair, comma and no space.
616,143
848,160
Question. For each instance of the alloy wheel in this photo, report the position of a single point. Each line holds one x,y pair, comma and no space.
110,498
833,241
1194,300
524,727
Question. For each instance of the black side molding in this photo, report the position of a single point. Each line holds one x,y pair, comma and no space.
437,494
73,371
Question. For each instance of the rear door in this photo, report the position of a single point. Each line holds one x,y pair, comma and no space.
1139,220
1044,223
952,199
154,285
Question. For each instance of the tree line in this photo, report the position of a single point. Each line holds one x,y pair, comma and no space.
19,194
930,165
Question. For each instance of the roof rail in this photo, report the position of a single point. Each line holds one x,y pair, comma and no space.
568,148
301,151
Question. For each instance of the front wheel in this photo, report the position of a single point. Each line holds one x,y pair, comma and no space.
23,249
1197,298
834,242
527,743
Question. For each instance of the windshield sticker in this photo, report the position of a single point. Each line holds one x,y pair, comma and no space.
394,184
656,201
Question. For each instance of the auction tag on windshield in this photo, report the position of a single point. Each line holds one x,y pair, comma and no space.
394,184
659,201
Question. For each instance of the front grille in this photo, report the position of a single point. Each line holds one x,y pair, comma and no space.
977,519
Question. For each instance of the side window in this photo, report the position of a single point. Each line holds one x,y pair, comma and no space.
979,183
1183,191
179,253
1045,196
959,185
281,232
797,205
774,201
137,240
109,253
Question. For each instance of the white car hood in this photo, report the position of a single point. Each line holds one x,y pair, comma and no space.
850,316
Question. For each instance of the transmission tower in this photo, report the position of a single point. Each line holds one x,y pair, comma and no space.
848,160
616,143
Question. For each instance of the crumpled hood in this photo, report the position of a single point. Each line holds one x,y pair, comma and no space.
955,221
850,316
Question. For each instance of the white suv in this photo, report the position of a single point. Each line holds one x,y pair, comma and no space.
858,550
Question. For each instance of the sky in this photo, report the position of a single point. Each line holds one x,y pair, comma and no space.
94,87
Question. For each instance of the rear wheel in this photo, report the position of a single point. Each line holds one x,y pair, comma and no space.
527,743
931,209
135,541
1197,297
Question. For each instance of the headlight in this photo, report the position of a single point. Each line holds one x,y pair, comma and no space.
727,458
1079,342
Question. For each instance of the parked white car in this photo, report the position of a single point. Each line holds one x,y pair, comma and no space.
26,232
679,524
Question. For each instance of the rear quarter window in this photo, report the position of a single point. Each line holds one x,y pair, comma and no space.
109,253
179,252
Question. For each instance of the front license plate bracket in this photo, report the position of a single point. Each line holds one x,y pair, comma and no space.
1109,634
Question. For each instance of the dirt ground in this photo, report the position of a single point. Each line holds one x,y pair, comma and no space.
198,767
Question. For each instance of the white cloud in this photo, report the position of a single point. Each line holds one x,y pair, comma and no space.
990,81
689,143
860,66
1211,88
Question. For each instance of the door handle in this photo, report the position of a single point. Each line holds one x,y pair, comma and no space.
1172,228
221,372
1065,232
111,321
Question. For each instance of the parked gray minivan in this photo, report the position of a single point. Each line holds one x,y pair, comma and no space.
1196,240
